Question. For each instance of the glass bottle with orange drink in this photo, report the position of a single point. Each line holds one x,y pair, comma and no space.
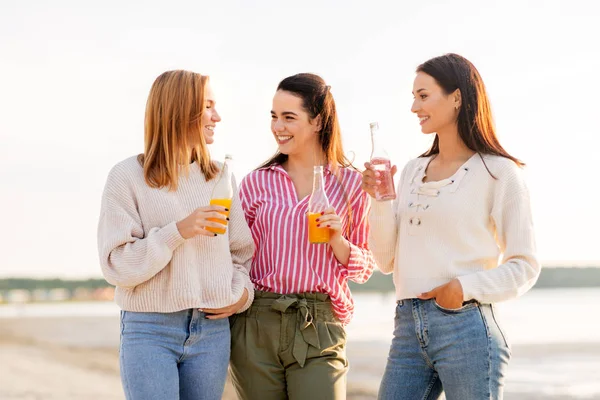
317,203
222,195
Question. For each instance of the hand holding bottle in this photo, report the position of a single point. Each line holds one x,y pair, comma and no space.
371,179
330,220
222,195
380,162
317,204
199,221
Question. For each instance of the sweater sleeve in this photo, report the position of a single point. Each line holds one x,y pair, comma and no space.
241,246
385,223
361,261
127,257
247,192
520,268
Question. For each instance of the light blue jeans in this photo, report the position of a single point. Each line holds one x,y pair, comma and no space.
180,355
462,353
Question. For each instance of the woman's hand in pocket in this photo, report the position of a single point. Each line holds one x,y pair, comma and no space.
448,296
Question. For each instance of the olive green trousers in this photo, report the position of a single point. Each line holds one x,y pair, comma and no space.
288,347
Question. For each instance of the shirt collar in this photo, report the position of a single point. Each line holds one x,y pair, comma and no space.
277,167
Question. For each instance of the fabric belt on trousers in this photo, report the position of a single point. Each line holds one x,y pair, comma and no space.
306,334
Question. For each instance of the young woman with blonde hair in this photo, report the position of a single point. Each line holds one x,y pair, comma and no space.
176,281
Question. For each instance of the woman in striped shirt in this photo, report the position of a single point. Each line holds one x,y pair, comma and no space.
291,342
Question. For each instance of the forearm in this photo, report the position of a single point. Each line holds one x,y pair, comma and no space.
242,281
128,261
383,235
358,261
509,280
241,246
361,263
341,250
515,236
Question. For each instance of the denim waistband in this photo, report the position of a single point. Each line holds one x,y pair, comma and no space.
401,302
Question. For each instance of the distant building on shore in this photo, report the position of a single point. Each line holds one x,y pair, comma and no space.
18,296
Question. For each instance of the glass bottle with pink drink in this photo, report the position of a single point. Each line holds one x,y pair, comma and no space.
381,163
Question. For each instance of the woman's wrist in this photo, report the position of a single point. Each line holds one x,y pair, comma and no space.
341,249
338,241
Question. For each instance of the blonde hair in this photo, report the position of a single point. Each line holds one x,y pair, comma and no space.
173,129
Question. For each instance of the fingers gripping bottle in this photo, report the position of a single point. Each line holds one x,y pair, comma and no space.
381,162
317,203
222,194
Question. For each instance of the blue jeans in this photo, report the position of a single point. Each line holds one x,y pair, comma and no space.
180,355
462,353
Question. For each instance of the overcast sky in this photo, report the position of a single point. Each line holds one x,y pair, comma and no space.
74,77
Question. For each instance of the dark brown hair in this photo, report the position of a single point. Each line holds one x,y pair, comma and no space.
475,123
317,101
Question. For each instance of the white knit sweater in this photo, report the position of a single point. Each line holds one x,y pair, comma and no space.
458,228
153,268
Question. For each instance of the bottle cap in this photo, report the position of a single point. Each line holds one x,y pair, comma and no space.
374,125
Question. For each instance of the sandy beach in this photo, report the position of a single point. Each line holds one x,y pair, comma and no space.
49,358
70,358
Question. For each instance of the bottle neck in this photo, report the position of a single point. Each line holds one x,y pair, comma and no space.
223,188
227,169
377,149
318,201
318,182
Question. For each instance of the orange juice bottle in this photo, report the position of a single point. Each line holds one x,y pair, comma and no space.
222,195
317,203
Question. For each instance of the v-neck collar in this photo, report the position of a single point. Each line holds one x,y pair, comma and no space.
279,167
452,177
297,201
453,181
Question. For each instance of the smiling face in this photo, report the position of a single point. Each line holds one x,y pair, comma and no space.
210,116
437,111
291,125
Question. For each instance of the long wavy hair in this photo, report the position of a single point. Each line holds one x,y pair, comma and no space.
475,123
173,129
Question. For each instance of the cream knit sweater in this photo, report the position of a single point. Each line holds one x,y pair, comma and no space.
153,268
458,228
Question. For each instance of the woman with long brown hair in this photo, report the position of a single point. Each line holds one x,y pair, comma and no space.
177,282
459,208
291,343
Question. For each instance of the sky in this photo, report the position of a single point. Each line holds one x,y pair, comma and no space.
75,75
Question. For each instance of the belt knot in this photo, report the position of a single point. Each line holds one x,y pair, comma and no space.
307,334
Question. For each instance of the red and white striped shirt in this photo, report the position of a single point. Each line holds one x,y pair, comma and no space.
285,262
